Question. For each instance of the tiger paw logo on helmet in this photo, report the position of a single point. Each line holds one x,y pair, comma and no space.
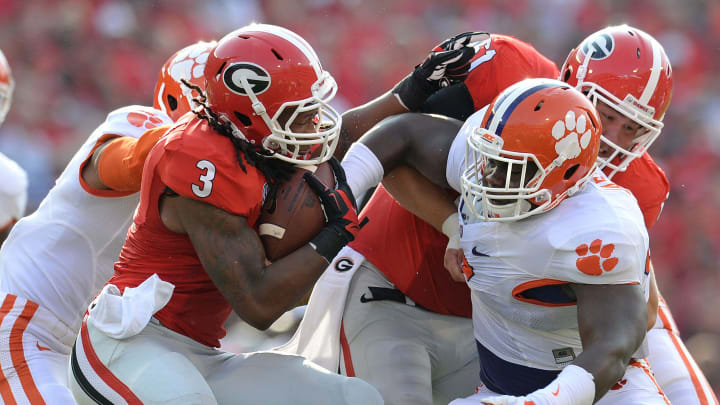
596,258
570,144
145,120
189,63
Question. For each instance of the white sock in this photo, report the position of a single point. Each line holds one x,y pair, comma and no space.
362,168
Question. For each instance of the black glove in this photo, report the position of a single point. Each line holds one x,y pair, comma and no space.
429,76
341,220
458,71
461,40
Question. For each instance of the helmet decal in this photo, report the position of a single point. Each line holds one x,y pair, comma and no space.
572,134
599,46
257,77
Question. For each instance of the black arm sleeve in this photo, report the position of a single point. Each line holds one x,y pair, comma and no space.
454,101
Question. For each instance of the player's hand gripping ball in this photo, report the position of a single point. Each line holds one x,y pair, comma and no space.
295,216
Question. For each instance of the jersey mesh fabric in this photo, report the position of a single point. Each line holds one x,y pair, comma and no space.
194,162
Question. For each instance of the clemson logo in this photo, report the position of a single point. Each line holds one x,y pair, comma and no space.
145,120
596,258
567,133
189,63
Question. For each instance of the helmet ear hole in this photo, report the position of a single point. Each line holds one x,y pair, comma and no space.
172,102
566,75
569,172
244,119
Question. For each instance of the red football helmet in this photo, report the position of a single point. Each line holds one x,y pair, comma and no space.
537,144
628,70
173,97
260,71
6,87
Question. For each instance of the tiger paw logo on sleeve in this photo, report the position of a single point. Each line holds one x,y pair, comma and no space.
596,258
145,120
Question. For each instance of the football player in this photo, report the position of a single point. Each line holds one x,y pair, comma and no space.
192,255
13,187
56,259
554,252
401,295
407,357
629,78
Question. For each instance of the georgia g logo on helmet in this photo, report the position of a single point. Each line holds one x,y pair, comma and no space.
598,46
257,77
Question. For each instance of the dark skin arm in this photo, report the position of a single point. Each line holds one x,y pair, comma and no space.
419,195
420,141
233,257
603,310
89,171
358,120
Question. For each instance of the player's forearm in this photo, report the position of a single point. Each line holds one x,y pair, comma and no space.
420,196
280,287
612,321
357,121
606,362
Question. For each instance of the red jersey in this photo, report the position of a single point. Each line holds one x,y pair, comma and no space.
404,247
501,62
195,162
648,183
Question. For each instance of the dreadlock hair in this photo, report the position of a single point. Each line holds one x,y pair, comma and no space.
276,171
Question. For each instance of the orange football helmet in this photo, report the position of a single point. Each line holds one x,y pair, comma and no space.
260,71
7,84
173,97
628,70
537,145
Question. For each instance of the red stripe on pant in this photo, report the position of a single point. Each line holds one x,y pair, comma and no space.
17,353
103,372
349,369
696,376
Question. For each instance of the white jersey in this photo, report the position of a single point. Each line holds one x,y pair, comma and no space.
520,312
594,237
13,191
61,255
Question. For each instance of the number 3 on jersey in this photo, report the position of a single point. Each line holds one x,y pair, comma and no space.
206,178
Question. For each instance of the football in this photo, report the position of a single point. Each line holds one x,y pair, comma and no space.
295,215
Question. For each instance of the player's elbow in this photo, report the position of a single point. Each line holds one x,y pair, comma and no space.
257,315
260,323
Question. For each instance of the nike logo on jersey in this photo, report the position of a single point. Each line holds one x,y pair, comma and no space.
476,253
557,391
42,348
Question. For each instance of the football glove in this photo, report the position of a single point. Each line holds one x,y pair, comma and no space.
429,76
338,204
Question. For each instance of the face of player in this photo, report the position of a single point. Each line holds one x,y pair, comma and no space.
495,175
617,128
305,122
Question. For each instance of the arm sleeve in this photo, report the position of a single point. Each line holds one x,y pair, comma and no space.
121,162
454,101
608,257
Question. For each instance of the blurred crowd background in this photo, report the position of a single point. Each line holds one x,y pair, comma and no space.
75,60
